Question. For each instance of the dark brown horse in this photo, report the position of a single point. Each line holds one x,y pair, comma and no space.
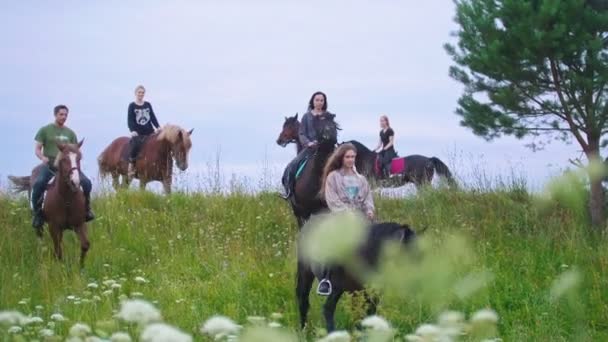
155,159
64,203
414,168
344,278
305,200
290,133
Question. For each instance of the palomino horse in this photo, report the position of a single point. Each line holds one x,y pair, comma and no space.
305,199
64,203
155,159
343,278
290,133
414,168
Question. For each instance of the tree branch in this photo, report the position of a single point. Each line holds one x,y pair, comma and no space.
568,118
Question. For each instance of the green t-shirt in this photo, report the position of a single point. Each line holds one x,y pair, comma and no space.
50,134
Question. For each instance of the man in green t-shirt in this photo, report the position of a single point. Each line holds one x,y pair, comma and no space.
46,150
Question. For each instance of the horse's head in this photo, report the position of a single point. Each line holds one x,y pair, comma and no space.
326,128
289,134
67,164
180,142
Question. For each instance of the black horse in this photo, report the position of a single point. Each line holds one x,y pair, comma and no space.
342,279
414,168
305,200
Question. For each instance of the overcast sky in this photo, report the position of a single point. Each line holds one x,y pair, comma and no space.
233,69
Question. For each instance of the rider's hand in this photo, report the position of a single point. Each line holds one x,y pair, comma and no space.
45,160
312,143
134,134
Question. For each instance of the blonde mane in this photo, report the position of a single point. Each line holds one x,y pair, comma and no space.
170,133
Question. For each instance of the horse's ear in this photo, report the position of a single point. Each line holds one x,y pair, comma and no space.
180,136
296,116
190,132
80,143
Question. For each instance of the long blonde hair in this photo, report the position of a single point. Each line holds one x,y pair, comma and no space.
335,162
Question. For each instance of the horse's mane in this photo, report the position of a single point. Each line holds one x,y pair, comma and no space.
359,146
170,133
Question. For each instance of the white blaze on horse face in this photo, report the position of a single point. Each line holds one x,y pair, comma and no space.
74,174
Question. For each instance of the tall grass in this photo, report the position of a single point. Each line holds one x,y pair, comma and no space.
206,253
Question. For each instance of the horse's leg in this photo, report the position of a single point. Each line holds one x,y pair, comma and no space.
329,309
372,303
56,235
84,242
115,181
142,184
167,185
304,278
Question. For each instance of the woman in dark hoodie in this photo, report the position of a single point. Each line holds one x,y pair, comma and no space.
317,106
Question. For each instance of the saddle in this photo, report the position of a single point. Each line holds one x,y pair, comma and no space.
397,166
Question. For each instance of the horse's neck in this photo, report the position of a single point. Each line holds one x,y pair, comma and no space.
320,159
61,184
161,149
299,146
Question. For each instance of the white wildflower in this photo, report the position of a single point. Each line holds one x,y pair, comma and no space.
46,333
39,307
71,297
107,293
93,339
109,282
485,315
57,317
96,298
140,280
15,330
566,281
137,294
116,286
34,320
120,337
93,286
337,336
80,330
217,325
375,322
276,316
450,318
428,332
413,338
160,332
274,325
333,238
12,317
138,311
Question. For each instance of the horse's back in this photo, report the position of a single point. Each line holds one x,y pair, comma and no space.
111,155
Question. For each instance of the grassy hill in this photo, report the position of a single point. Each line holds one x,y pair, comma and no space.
197,255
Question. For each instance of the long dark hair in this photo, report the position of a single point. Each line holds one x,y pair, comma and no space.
312,99
335,162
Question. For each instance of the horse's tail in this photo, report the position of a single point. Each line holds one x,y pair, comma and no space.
103,170
20,184
443,170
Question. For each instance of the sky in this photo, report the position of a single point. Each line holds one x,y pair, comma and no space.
232,70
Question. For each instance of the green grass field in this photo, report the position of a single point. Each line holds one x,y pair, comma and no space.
197,255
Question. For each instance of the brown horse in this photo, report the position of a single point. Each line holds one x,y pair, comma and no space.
290,133
64,204
155,159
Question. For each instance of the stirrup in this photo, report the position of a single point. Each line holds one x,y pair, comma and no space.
329,290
